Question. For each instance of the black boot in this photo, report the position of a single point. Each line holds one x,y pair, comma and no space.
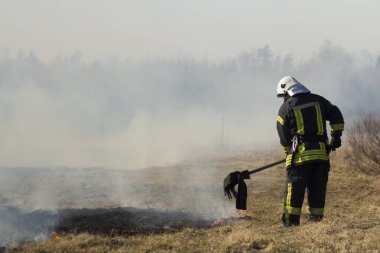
314,218
290,220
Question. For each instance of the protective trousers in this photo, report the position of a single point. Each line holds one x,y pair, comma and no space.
310,176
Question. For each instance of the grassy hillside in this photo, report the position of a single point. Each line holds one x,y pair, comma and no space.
351,224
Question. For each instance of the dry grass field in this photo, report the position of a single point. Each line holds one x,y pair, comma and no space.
351,224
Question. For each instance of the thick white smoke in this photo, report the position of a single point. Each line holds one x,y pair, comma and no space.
118,113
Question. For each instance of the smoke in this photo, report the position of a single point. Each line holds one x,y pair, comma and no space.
122,114
119,113
36,202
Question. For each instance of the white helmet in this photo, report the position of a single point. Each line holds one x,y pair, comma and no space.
290,85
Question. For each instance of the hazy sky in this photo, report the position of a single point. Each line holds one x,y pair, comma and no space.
199,28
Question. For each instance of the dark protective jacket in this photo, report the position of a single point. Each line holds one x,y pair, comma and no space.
305,115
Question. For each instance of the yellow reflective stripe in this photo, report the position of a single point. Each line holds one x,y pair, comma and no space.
301,148
310,158
306,157
301,159
307,153
280,120
289,194
285,148
319,119
292,210
288,160
323,146
337,127
316,211
299,120
312,152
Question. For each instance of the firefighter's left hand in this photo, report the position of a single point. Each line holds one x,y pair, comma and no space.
335,142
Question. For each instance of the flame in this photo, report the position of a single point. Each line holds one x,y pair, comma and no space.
217,222
56,237
13,245
243,212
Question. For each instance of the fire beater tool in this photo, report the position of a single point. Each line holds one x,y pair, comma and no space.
237,178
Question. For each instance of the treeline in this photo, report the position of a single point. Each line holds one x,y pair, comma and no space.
114,89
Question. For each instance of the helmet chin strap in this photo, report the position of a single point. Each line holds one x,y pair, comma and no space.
286,97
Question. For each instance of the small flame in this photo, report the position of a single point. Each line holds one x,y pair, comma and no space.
55,236
218,222
13,245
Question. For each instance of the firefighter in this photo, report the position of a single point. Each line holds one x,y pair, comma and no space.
301,126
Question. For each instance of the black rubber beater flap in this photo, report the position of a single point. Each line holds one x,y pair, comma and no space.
241,198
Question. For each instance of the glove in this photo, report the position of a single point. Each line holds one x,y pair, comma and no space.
335,141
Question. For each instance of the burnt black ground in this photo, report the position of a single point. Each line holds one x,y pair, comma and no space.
125,221
36,225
